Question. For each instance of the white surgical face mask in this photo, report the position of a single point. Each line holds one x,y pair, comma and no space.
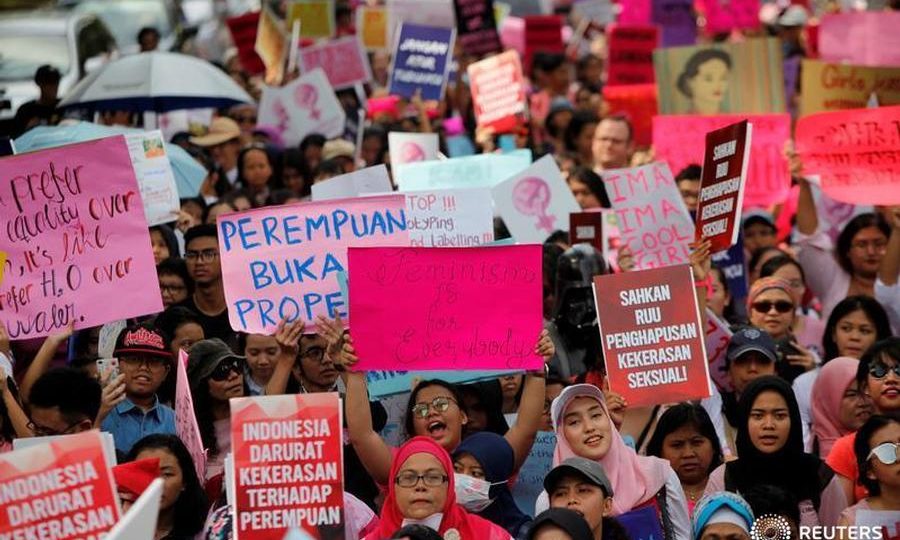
473,494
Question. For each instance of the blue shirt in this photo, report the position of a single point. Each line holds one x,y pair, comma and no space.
128,423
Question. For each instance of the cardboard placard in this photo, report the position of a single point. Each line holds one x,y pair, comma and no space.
855,153
477,27
498,91
535,202
288,465
631,54
271,46
653,342
281,262
862,38
722,185
446,308
316,17
76,236
344,61
530,480
421,61
186,419
307,105
70,472
653,220
833,87
243,32
155,177
450,217
372,26
679,140
139,522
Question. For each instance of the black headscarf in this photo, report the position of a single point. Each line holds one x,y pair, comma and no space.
568,520
790,468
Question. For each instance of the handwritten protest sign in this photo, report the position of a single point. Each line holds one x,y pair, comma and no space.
717,337
872,35
271,46
450,218
346,186
535,202
498,91
421,61
652,217
446,308
530,481
316,17
390,383
77,239
344,61
185,419
371,24
679,141
855,153
411,147
307,105
723,17
477,27
71,473
288,465
832,87
652,338
631,54
281,262
482,170
676,21
3,258
637,102
722,185
139,522
155,178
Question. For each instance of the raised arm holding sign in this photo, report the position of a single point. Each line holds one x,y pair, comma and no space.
722,185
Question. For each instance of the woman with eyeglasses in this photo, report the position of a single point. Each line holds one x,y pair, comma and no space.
877,450
422,490
771,306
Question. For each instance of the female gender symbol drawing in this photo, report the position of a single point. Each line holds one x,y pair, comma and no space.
306,96
411,151
531,197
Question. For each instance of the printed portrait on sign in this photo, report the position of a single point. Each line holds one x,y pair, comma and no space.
720,78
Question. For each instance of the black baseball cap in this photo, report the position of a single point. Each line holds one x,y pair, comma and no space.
579,466
750,339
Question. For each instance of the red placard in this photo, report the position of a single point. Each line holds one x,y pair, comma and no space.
498,91
652,339
638,103
587,228
62,489
243,32
288,465
854,152
722,185
543,33
631,54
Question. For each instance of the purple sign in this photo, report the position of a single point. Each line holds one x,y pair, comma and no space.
421,61
676,20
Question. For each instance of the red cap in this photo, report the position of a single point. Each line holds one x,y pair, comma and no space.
136,476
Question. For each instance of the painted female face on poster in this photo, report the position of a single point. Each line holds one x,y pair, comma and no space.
704,80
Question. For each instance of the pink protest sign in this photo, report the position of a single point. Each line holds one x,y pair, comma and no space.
717,337
498,91
854,152
282,262
679,140
344,61
870,33
653,220
723,17
635,11
446,308
74,229
185,419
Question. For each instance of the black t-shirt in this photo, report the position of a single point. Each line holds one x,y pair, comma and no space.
46,115
215,326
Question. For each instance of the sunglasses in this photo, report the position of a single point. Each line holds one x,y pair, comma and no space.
440,404
224,369
880,371
765,306
887,453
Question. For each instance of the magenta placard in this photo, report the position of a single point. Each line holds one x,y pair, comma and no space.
344,61
74,229
723,17
680,139
446,308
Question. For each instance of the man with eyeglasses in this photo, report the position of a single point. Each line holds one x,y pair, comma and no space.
201,251
878,375
63,401
144,361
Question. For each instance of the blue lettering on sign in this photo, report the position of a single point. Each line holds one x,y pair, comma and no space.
268,313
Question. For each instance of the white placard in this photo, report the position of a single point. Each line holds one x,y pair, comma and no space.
366,181
306,105
155,177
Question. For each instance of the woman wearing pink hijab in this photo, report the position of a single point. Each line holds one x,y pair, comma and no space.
838,405
648,495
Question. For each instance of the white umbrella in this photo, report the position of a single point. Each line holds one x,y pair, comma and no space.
156,81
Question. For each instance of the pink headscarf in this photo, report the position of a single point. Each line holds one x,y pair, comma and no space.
827,393
635,479
456,518
768,283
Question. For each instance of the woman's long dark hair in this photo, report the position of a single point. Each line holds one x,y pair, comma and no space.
681,415
203,409
7,431
862,447
192,504
874,312
849,232
274,181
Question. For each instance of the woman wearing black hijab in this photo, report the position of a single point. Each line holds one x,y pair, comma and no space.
770,450
556,522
